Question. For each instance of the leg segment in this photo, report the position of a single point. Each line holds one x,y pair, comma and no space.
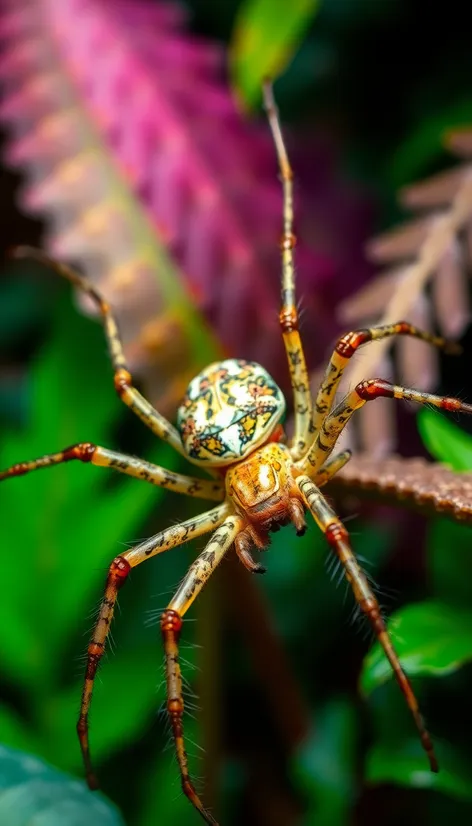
349,344
338,539
171,624
288,313
123,380
331,467
364,392
130,465
118,572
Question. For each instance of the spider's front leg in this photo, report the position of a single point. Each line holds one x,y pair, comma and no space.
288,314
117,575
123,379
338,538
129,465
171,624
347,346
364,392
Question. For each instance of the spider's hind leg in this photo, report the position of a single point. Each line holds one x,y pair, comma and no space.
338,538
171,624
117,575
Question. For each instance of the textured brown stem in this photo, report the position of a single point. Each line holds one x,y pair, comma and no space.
424,486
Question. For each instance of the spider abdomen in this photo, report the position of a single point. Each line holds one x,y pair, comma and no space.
229,410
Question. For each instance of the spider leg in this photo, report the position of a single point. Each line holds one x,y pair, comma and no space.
130,465
364,392
171,624
122,379
348,344
338,538
288,313
331,467
117,575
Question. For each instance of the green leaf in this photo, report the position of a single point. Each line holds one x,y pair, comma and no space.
324,767
70,390
265,36
429,637
402,765
445,441
68,525
449,563
33,792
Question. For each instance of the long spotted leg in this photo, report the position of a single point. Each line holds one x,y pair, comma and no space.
338,539
123,379
288,313
364,392
117,574
347,346
129,465
331,467
171,624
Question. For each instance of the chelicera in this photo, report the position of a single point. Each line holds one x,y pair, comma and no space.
230,424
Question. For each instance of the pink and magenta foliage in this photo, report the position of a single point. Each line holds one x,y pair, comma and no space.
122,121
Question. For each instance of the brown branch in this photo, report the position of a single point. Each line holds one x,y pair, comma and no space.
424,486
438,235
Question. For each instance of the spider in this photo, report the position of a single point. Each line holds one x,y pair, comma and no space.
230,425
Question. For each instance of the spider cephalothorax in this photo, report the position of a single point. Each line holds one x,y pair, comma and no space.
229,423
265,494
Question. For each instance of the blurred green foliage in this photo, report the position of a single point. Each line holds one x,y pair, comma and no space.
60,531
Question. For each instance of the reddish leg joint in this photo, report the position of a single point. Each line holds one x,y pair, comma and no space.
335,533
348,344
83,452
171,622
288,320
122,380
288,241
374,388
119,570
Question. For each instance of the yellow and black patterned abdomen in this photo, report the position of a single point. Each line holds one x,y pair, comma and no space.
229,409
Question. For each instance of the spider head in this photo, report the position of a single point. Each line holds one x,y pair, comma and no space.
229,410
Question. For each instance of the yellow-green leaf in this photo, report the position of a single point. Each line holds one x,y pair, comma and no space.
431,638
404,765
444,440
265,36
